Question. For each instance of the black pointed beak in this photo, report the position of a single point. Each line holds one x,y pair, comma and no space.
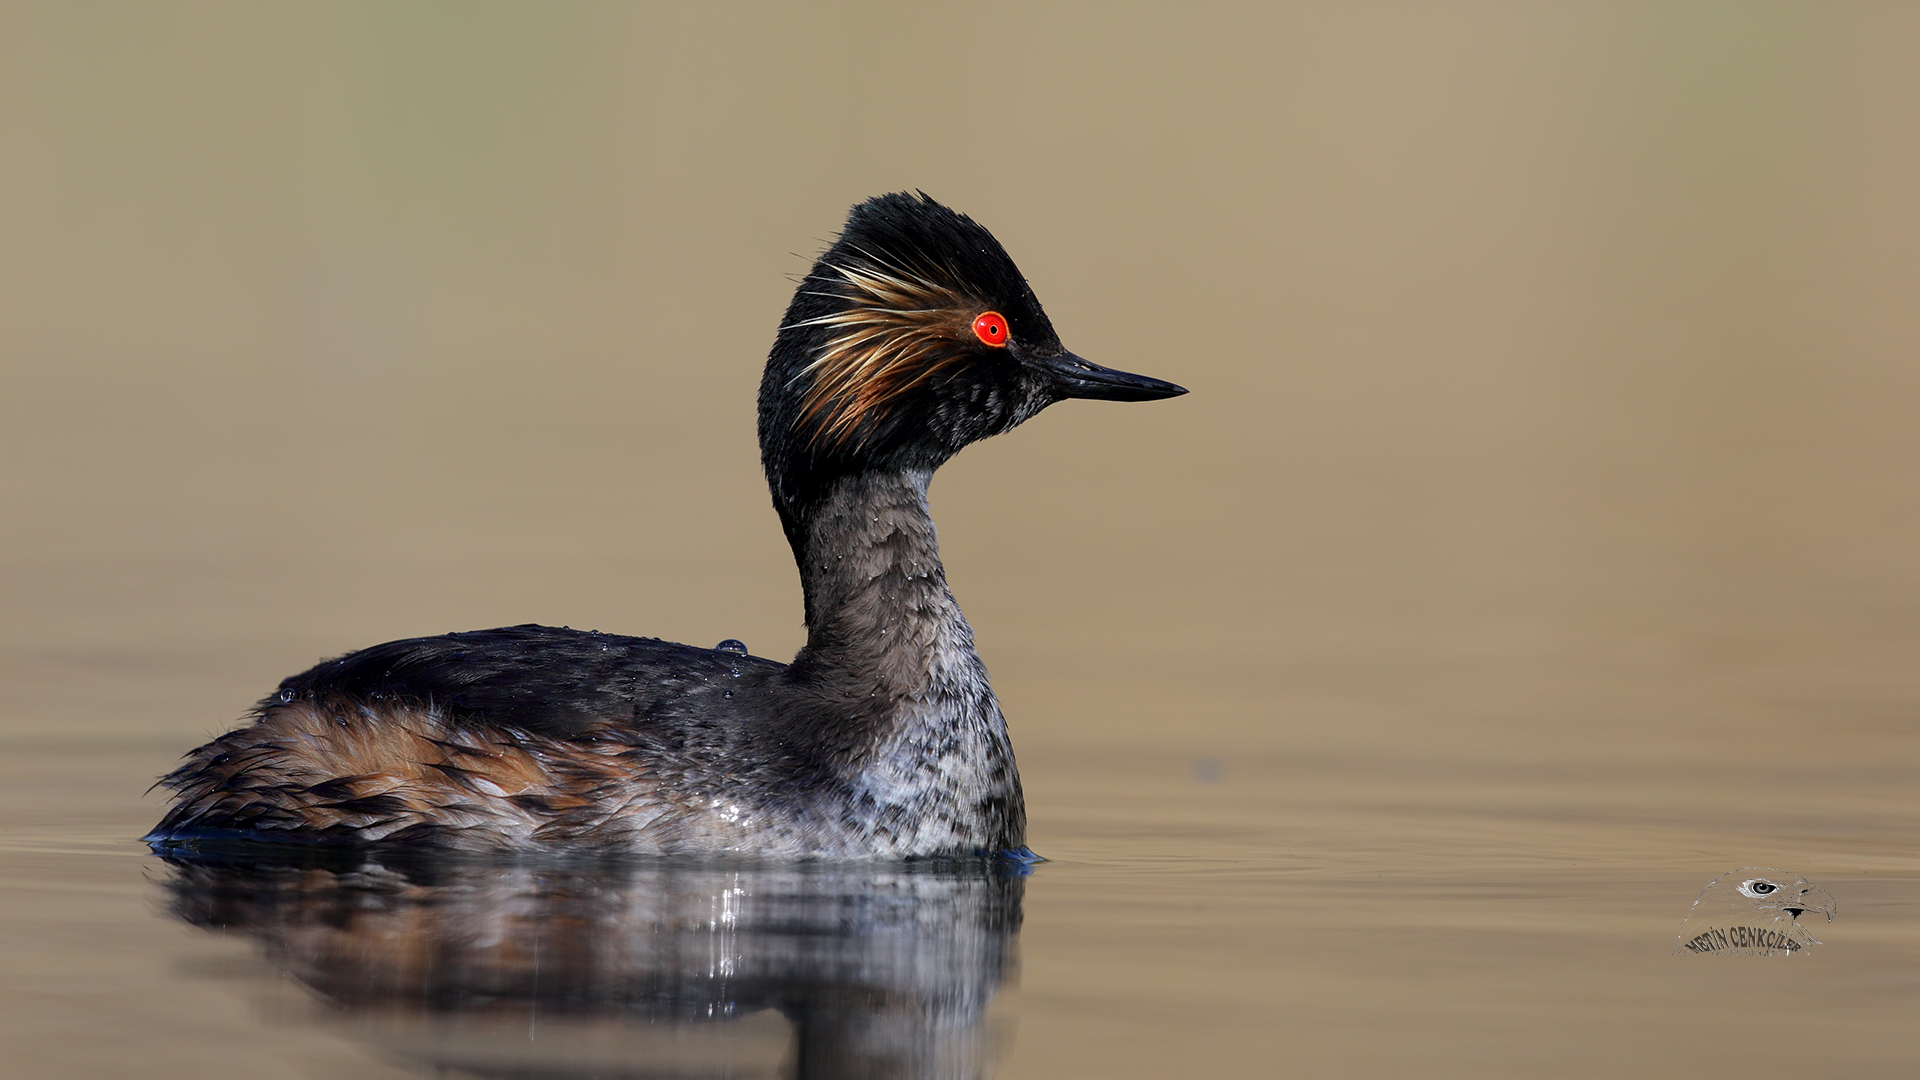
1077,378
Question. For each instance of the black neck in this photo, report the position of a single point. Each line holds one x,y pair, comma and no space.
877,606
890,665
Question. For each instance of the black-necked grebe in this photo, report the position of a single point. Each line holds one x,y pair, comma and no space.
912,336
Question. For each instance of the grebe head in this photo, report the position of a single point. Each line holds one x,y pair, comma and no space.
912,336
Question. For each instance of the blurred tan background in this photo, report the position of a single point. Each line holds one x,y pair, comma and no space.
1553,366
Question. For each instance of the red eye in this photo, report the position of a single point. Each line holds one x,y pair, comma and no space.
991,327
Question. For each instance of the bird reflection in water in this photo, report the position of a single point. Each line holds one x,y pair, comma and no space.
630,969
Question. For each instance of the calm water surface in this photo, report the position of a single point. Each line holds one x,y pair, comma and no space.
1279,918
1537,544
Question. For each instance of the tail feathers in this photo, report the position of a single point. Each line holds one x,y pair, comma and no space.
364,773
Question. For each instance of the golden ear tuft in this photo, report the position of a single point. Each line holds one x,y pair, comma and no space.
898,330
